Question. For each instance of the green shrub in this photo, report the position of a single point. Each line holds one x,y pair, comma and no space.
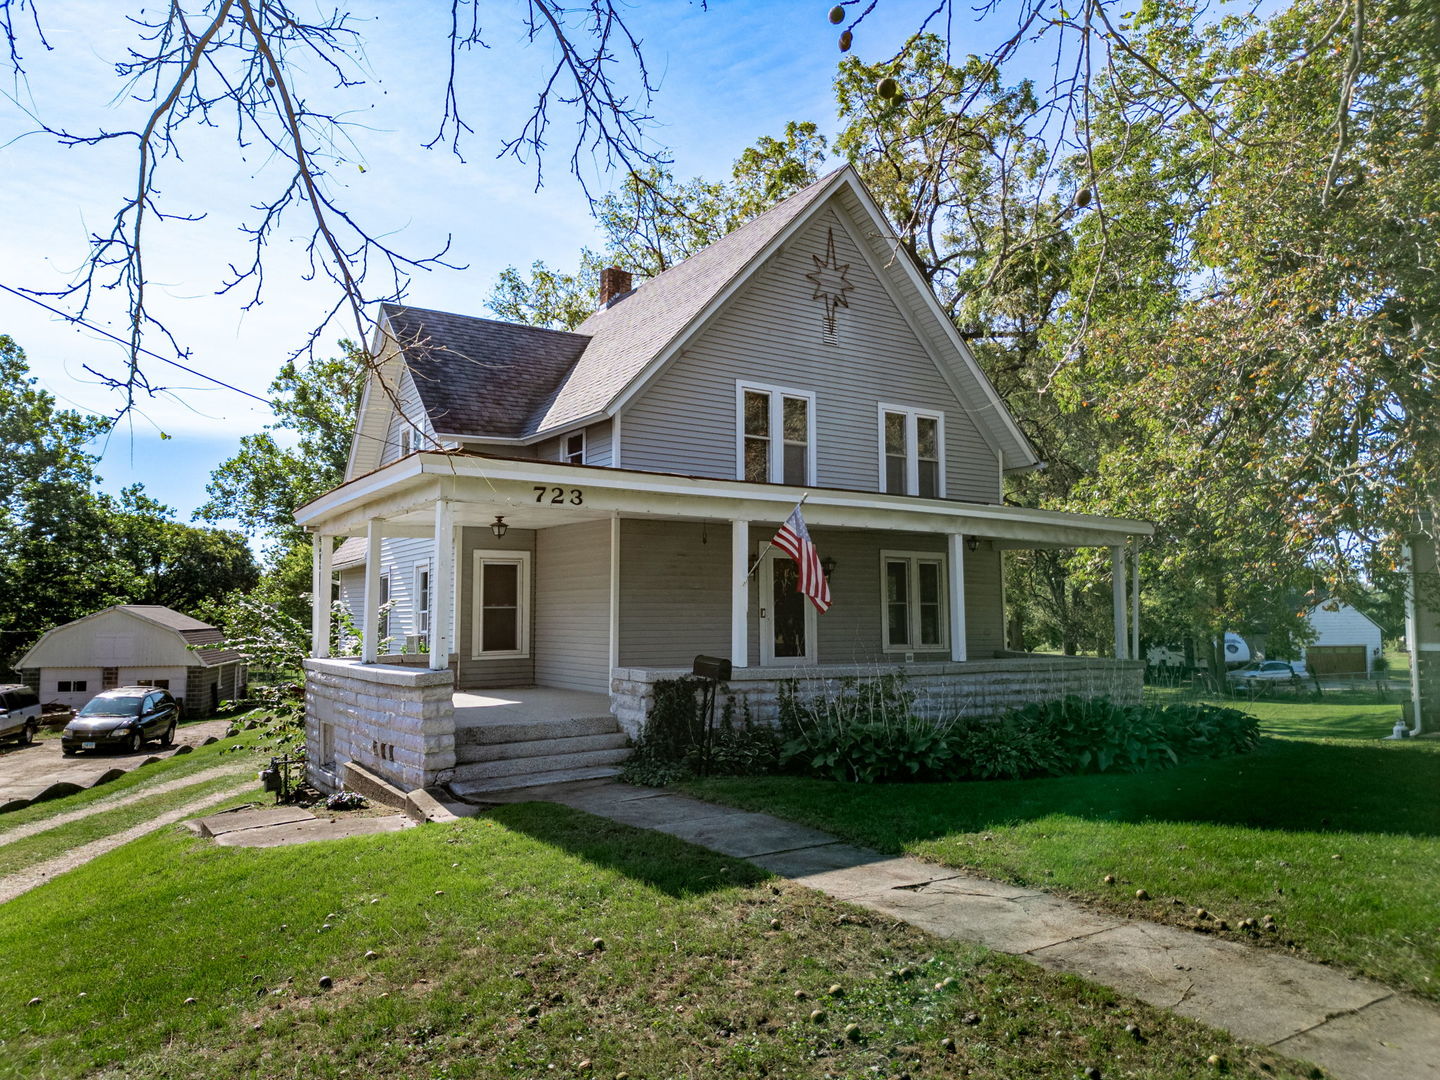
863,731
1199,730
675,744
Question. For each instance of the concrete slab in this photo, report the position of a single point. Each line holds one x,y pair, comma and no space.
1396,1037
743,835
1000,918
1259,995
849,873
313,830
644,813
238,820
531,703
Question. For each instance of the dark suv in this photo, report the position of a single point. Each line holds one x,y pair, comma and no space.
126,717
19,714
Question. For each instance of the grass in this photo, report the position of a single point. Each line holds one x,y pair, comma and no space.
1337,838
487,965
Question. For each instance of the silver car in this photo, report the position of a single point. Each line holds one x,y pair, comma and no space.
19,714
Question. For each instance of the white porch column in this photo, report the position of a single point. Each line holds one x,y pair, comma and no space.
321,548
442,585
370,621
1135,598
1117,588
740,593
614,589
957,597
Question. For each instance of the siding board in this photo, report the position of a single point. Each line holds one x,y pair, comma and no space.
772,333
572,606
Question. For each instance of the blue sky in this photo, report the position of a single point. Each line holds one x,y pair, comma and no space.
727,76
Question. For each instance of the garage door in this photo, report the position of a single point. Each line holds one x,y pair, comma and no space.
1336,659
69,686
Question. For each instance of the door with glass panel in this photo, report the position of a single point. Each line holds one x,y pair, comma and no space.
787,618
500,624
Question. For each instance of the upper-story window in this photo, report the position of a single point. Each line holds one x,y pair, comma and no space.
406,439
572,448
776,434
912,461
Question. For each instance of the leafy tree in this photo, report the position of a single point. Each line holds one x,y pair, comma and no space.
171,563
65,549
267,481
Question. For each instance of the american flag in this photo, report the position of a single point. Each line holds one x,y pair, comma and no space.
794,539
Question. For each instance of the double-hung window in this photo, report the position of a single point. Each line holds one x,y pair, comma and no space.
915,618
501,623
422,600
912,459
776,435
572,448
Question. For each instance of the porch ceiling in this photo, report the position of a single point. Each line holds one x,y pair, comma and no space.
534,494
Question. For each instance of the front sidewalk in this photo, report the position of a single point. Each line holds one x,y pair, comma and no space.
1354,1028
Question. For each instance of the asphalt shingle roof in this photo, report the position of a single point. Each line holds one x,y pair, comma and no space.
479,378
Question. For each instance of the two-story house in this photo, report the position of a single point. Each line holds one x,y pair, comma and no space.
550,522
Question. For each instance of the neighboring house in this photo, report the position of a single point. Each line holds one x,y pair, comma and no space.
586,512
134,645
1347,641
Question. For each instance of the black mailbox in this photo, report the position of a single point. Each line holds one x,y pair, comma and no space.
712,667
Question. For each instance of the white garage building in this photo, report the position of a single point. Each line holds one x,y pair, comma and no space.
1347,641
134,645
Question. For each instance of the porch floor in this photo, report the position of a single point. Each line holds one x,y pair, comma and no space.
524,705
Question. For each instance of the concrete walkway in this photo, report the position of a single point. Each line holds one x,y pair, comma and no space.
1354,1028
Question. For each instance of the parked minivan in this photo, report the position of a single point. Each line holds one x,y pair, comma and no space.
19,714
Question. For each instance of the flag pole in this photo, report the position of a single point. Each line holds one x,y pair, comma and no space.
771,542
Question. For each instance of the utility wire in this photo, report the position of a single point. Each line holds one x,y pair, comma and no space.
106,333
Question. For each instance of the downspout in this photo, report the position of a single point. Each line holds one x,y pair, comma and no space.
1412,640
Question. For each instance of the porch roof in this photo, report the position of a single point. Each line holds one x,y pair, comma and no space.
534,494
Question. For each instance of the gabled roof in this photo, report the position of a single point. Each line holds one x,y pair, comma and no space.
627,335
190,631
481,379
479,376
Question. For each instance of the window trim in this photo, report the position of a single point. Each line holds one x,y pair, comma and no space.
778,394
914,559
565,457
912,448
521,559
382,617
421,596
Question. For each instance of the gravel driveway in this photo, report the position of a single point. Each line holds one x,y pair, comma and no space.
25,771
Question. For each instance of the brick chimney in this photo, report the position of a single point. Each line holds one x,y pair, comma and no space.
614,283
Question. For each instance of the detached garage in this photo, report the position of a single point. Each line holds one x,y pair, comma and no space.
135,645
1347,641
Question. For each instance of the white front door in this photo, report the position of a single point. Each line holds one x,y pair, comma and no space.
787,618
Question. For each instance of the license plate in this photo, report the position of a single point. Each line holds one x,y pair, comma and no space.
87,746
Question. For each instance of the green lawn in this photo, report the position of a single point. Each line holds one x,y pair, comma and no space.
488,965
1241,837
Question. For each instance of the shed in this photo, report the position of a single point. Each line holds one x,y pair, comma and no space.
135,645
1347,641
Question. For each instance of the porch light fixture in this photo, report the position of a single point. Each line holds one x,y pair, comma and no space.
828,565
972,542
498,526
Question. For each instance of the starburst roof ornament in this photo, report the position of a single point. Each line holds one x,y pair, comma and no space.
830,282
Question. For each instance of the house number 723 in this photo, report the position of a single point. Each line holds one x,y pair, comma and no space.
558,495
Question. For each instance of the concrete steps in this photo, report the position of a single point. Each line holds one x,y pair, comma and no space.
515,754
476,790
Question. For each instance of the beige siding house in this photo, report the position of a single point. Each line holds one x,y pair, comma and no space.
539,522
135,645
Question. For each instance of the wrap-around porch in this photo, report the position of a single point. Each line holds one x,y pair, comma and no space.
601,581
